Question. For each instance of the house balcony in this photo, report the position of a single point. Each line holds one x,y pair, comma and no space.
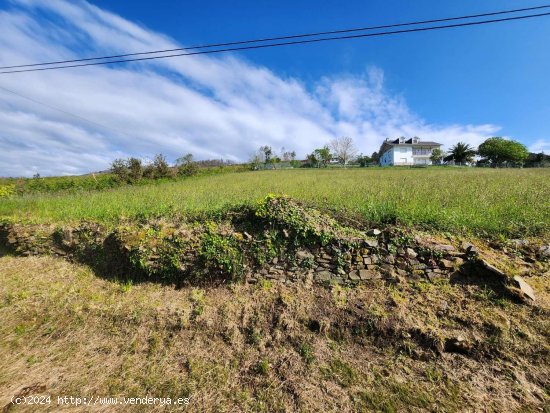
422,152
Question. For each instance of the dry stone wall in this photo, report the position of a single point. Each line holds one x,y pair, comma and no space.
279,239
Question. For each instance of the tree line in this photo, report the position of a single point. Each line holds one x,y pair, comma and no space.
133,170
339,150
495,152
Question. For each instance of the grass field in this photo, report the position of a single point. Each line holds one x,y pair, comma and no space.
513,202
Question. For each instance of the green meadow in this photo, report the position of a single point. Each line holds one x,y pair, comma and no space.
509,202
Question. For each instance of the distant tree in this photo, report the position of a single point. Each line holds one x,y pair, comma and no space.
268,154
186,165
119,168
185,159
287,156
135,169
537,160
437,156
499,151
36,176
461,153
375,157
364,160
323,156
161,167
344,150
295,163
312,160
207,163
256,159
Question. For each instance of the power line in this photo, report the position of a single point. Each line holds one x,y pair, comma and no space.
262,46
268,39
61,110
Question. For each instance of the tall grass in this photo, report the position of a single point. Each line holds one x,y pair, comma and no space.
511,202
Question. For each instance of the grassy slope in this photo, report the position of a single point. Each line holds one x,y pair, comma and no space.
268,347
510,202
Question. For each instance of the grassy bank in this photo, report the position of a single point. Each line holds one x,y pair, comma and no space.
268,347
507,202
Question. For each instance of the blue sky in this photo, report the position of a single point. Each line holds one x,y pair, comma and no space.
459,84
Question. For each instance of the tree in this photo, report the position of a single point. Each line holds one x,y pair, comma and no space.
287,156
135,169
500,151
461,153
149,171
319,157
185,159
268,154
322,155
375,157
364,160
119,168
343,148
312,160
437,156
161,167
537,160
256,159
186,165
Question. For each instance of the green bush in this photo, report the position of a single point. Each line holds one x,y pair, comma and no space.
222,253
135,169
161,167
119,168
189,169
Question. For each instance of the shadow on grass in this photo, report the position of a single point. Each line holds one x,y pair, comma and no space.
112,261
473,274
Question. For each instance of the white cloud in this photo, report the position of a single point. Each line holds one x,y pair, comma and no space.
540,145
218,106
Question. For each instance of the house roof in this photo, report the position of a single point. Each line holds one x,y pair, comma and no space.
411,142
426,143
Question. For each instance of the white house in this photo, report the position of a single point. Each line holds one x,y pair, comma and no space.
407,152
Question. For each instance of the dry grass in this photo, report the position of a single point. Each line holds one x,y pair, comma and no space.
269,347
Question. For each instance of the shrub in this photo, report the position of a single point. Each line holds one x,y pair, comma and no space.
135,169
149,171
186,166
188,170
119,168
161,167
222,252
